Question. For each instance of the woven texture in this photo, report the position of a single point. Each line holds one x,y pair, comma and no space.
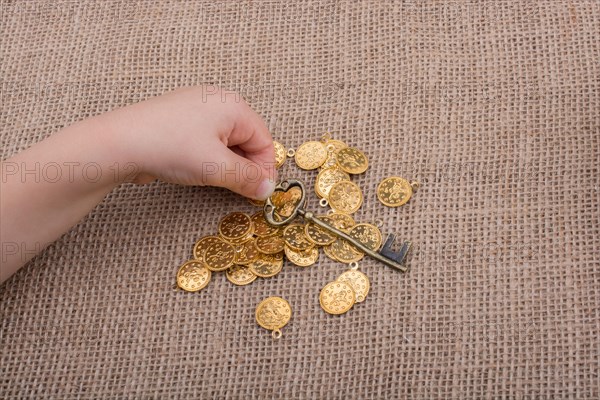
492,105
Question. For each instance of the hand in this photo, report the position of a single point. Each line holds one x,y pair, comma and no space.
197,136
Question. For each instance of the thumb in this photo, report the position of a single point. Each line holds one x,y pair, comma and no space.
242,176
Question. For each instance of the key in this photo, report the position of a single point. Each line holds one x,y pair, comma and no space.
386,255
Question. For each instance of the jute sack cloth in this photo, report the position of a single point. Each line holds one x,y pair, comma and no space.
492,105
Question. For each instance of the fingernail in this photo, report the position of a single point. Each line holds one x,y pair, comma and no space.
265,189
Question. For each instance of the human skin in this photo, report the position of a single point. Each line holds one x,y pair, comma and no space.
193,136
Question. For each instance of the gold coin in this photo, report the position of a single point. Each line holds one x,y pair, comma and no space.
311,155
203,244
345,252
236,225
318,235
240,275
367,234
219,256
193,276
286,202
246,252
270,244
261,226
327,178
345,197
337,298
280,154
358,281
304,258
295,238
341,221
394,191
273,313
267,265
352,160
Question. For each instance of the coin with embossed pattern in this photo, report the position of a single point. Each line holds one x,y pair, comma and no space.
295,238
344,252
234,226
246,252
367,234
394,191
311,155
267,265
270,244
345,197
193,276
358,281
273,313
352,160
280,154
304,258
337,298
219,256
240,275
202,244
341,220
327,178
318,235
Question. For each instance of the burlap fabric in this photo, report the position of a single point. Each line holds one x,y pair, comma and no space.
492,105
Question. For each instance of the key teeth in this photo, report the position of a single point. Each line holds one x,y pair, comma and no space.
399,256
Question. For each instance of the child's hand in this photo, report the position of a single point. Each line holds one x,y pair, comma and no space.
196,136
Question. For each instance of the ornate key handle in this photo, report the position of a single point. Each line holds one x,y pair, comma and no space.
386,255
270,209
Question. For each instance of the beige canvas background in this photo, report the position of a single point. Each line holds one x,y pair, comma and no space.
494,106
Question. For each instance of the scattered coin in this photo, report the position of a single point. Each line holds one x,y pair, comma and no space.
240,275
358,281
394,191
203,244
270,244
295,238
327,178
352,160
318,235
311,155
345,252
246,252
193,276
337,298
236,225
280,154
303,258
273,313
367,234
345,197
219,256
267,265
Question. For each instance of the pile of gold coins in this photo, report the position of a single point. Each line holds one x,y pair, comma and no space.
246,247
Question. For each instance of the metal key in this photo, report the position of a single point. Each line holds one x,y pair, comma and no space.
386,255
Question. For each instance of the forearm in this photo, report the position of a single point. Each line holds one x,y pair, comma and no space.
48,188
